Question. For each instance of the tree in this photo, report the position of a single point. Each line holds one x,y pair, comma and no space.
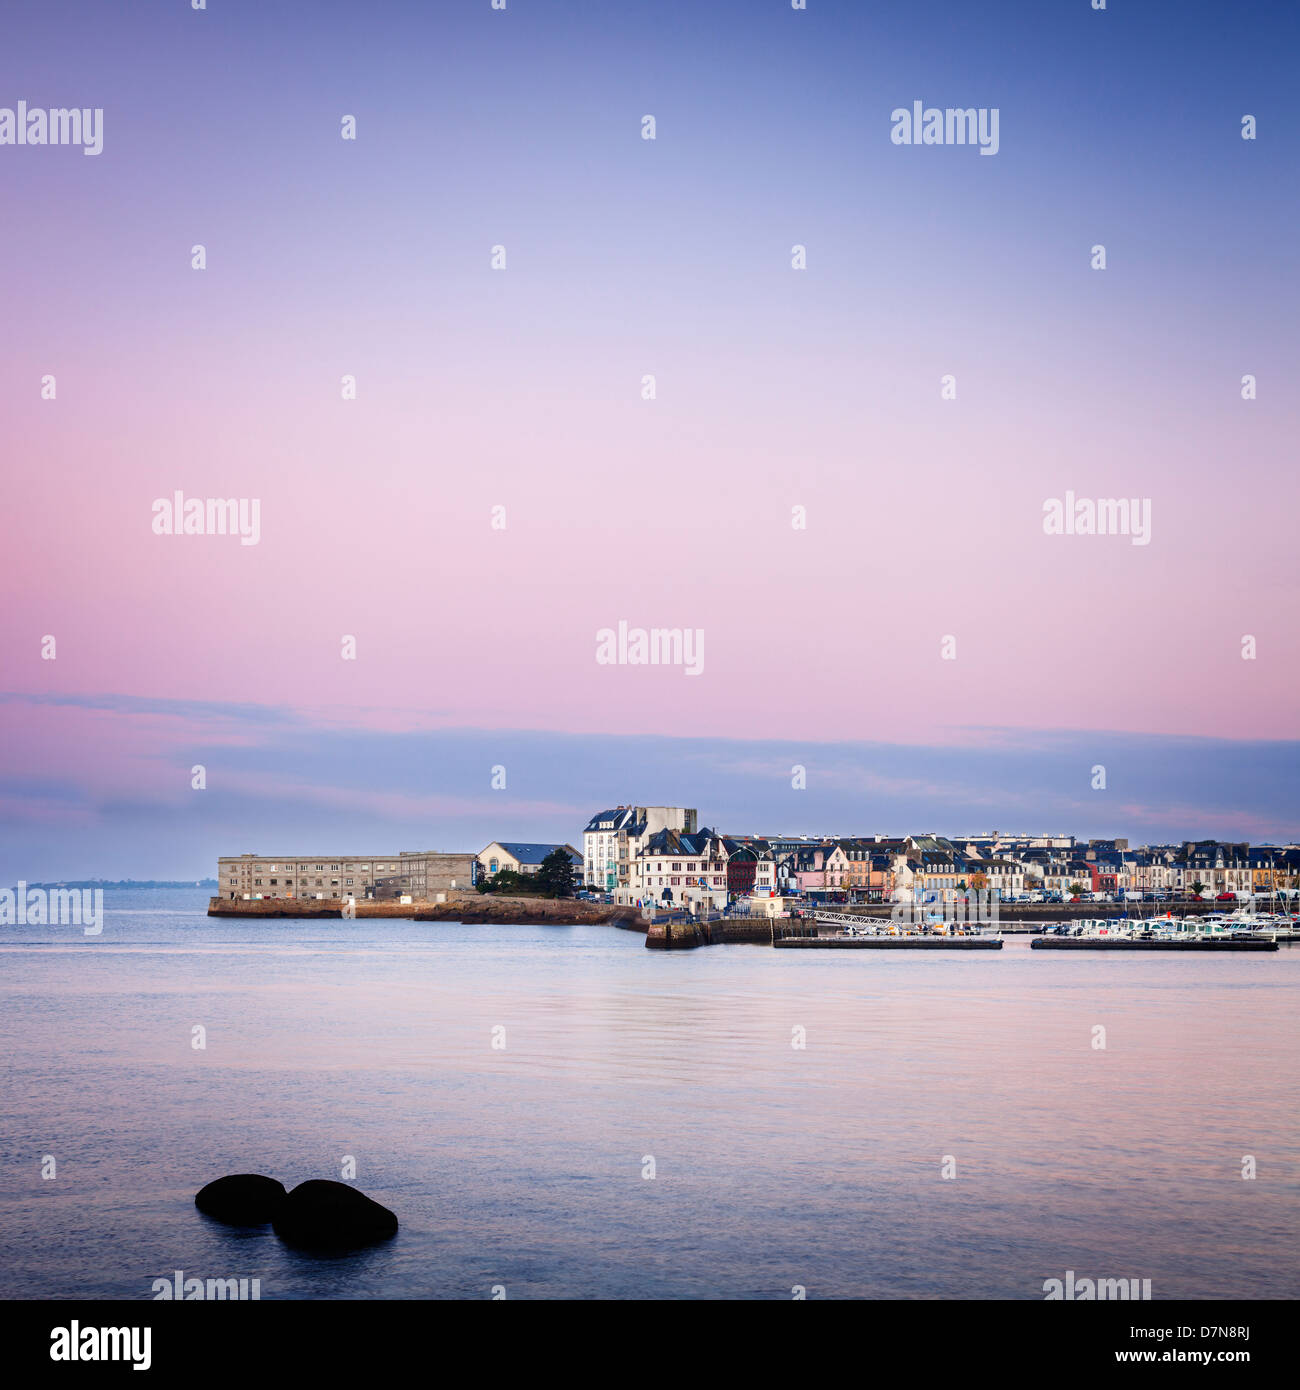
555,877
505,881
1198,888
1076,890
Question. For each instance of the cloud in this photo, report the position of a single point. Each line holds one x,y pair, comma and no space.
101,784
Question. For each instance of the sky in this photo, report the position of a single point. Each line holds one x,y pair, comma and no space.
867,561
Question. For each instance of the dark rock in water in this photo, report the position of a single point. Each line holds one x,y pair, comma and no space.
320,1215
242,1199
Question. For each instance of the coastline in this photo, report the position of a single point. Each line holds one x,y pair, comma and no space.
470,908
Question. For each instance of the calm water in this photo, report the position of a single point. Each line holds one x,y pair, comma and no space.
523,1166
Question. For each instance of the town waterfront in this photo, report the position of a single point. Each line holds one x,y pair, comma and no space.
521,1166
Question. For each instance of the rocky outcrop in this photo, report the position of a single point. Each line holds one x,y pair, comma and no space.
532,911
321,1215
241,1199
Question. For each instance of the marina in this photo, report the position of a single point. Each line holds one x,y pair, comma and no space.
903,941
1240,931
1148,943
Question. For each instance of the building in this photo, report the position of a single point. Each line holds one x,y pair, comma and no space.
422,875
676,869
612,840
522,857
1005,877
809,869
755,869
304,876
1001,842
931,870
1218,867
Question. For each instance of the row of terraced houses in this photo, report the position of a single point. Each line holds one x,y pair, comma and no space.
659,855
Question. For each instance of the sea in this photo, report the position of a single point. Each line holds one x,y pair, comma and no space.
557,1112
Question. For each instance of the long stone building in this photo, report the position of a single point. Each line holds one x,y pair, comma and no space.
417,874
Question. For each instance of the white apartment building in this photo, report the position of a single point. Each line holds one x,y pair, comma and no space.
681,870
613,839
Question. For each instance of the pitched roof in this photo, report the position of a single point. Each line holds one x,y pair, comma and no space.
529,853
679,842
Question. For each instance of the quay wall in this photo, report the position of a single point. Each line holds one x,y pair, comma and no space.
566,912
685,936
303,907
458,907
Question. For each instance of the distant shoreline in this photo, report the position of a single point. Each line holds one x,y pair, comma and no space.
124,883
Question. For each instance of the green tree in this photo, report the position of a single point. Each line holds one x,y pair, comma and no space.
555,877
1075,890
506,881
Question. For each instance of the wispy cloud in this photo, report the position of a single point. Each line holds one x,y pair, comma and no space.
114,792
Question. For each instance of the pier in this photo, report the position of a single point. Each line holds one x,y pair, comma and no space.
890,943
1137,943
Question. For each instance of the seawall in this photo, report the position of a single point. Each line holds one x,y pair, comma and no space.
685,936
461,907
566,912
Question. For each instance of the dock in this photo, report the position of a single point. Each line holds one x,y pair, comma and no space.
888,943
1129,943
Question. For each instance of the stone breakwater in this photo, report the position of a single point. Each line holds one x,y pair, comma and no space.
685,936
456,907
